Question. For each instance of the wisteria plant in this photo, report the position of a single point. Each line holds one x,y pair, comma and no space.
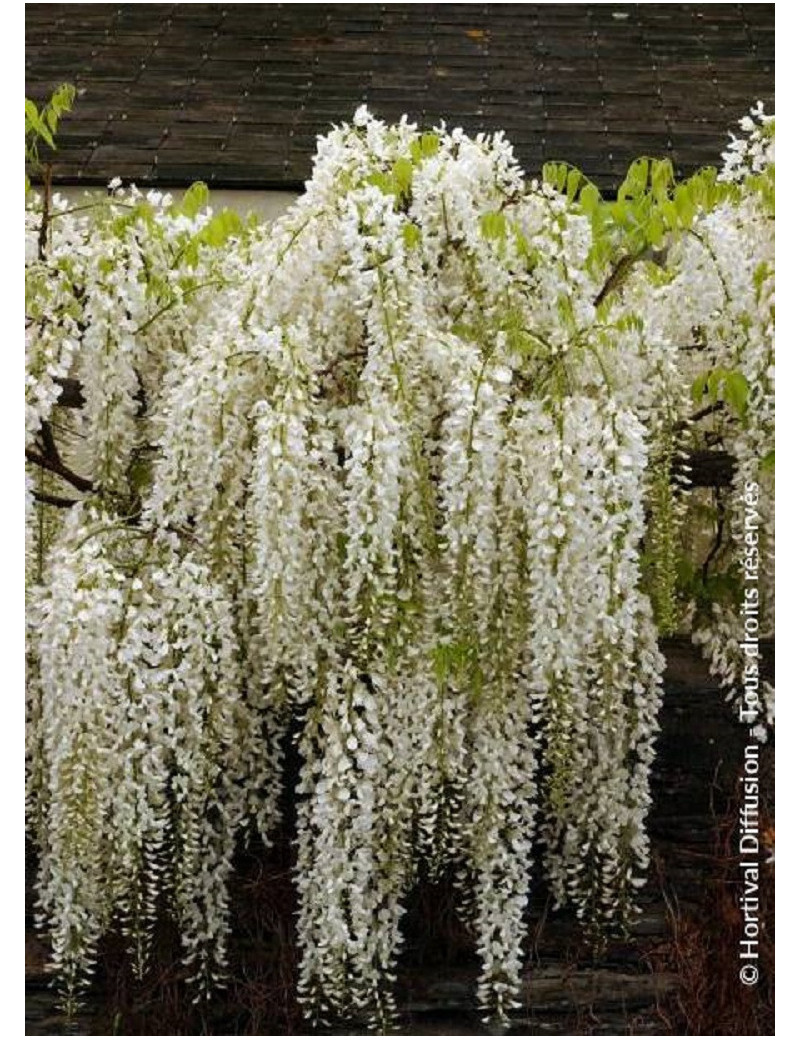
408,472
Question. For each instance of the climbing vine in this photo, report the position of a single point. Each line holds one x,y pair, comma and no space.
416,471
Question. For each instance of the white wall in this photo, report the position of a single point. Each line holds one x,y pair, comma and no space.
267,204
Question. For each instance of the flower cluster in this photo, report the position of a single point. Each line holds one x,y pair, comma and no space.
405,471
144,748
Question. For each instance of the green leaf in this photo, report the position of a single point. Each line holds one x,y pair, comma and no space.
555,174
699,388
521,342
412,235
429,143
768,462
564,307
402,172
669,212
192,253
635,182
684,205
655,231
425,146
62,99
589,198
525,249
736,392
713,378
760,276
382,181
220,228
660,178
703,187
493,225
36,123
194,199
574,179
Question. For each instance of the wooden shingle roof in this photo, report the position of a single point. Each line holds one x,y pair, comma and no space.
235,94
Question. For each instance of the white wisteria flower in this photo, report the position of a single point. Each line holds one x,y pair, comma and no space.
403,474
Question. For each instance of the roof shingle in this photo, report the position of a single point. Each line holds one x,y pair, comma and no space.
235,94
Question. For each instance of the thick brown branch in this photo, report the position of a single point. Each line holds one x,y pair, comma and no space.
56,466
623,268
713,469
709,409
54,500
44,227
49,442
619,273
71,393
699,415
718,534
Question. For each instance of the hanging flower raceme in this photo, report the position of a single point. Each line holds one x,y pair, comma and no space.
594,661
142,735
404,474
